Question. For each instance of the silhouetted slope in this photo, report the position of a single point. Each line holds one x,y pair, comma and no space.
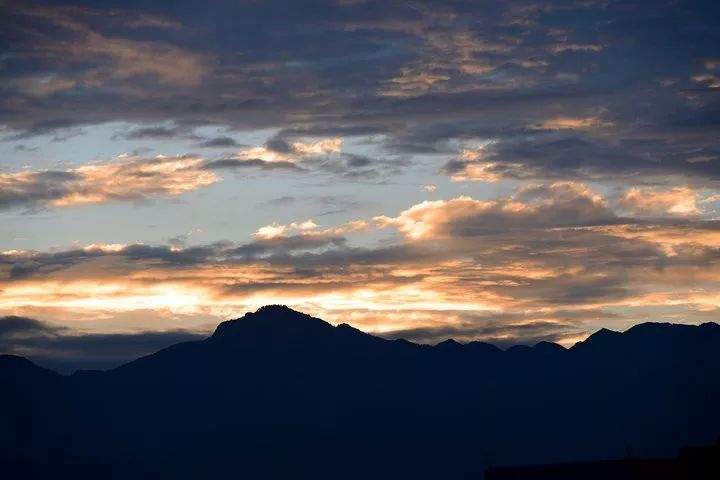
278,394
19,371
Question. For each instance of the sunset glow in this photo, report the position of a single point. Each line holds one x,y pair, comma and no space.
518,173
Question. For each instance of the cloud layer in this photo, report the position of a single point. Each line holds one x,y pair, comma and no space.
549,262
66,351
575,90
513,172
136,179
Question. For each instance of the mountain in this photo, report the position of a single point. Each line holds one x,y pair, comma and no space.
280,394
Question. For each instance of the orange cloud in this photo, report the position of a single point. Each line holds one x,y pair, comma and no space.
570,123
134,178
680,201
127,179
165,62
551,258
559,204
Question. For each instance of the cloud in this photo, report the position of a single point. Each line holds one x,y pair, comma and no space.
14,326
153,133
549,262
123,180
278,154
604,119
579,157
440,51
276,230
297,236
544,83
570,123
505,332
680,201
319,147
68,350
555,205
131,178
238,163
220,142
113,58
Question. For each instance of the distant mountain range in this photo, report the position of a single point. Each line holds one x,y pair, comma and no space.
280,394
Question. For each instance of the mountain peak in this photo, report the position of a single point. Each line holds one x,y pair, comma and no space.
602,335
273,320
449,344
277,309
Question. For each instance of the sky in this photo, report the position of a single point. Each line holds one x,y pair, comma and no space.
510,172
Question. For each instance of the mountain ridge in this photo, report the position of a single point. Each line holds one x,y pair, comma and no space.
278,321
278,394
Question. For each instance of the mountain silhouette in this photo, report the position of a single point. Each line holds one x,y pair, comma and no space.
280,394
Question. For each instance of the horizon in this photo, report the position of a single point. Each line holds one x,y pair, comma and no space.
279,394
68,366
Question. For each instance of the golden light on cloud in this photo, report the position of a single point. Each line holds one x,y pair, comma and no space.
299,149
128,178
477,167
116,58
263,154
411,83
427,219
532,207
669,238
681,201
307,228
575,47
319,147
512,257
478,172
276,230
123,180
571,123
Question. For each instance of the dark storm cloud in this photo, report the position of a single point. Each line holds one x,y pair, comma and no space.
240,163
43,263
66,350
32,188
13,325
152,133
637,160
286,245
502,333
279,144
421,76
220,142
276,249
177,257
357,167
